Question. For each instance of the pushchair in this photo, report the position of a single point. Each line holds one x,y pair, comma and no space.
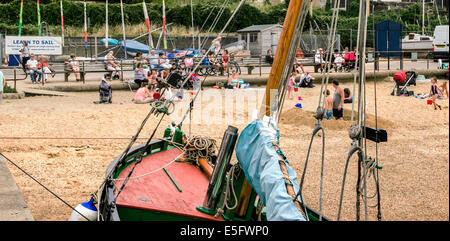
402,81
105,90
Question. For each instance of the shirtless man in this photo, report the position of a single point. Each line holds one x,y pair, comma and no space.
338,101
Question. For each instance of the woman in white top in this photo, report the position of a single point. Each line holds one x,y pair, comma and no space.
318,59
25,55
164,61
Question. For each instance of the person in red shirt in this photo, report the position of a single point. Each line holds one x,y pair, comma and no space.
45,68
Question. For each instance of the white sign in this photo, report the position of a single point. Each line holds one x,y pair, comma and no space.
38,45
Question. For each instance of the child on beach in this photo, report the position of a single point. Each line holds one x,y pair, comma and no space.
46,68
444,88
328,106
434,93
291,85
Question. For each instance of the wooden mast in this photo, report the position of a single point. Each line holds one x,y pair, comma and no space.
280,60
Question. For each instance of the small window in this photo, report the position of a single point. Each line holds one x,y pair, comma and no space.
253,37
424,38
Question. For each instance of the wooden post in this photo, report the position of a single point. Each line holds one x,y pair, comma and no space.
96,47
121,70
83,74
279,62
15,78
260,68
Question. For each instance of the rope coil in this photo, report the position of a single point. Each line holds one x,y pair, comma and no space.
200,147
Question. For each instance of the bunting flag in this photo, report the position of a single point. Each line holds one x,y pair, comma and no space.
20,17
123,28
164,24
106,26
39,18
62,22
85,27
147,22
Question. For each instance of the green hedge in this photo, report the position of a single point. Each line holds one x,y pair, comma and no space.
180,14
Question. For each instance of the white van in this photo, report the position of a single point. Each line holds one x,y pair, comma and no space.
440,42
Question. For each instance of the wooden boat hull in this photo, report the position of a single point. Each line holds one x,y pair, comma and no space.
150,194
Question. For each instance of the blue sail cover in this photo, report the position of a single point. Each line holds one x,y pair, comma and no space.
260,162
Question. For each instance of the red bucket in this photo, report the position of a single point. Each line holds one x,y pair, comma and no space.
429,102
296,89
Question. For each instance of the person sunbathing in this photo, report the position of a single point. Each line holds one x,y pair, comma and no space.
348,97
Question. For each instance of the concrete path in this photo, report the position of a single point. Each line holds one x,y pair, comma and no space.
12,204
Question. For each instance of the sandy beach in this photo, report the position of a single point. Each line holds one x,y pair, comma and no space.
67,142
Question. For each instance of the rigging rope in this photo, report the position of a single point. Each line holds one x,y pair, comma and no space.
42,185
216,20
320,112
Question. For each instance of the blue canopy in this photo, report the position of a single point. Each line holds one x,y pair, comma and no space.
111,41
260,162
135,46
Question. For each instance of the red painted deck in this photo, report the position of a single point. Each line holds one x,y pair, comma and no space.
156,192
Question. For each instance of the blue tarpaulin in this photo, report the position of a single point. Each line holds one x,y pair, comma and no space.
260,162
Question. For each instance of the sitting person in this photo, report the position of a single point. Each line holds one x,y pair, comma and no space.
205,61
444,88
32,66
143,95
139,59
175,69
139,74
233,81
213,61
318,59
269,57
297,65
74,66
164,61
153,60
111,65
307,81
153,80
43,62
348,97
225,60
338,62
